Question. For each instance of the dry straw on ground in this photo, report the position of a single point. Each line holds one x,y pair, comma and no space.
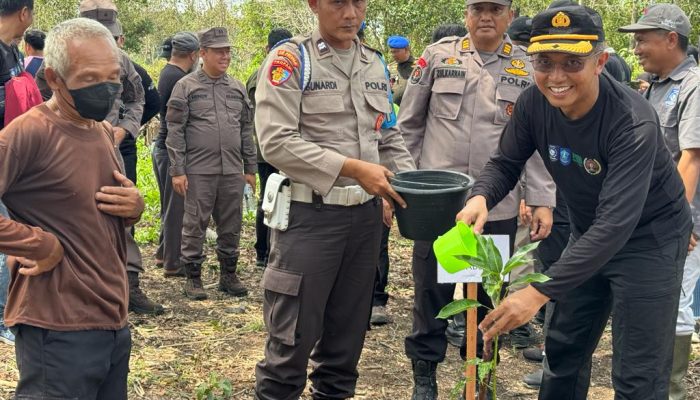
195,344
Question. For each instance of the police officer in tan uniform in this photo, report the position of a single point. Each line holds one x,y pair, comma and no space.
457,102
324,118
212,156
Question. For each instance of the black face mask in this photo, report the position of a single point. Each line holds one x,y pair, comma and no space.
95,101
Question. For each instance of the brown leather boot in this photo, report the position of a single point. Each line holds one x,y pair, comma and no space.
138,301
193,285
228,280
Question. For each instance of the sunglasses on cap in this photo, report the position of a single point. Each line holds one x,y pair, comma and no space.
570,65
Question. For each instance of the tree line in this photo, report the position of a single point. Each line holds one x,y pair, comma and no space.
147,22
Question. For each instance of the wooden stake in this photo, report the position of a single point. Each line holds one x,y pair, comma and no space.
470,331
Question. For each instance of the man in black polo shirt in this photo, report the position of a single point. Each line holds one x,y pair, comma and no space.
630,221
183,58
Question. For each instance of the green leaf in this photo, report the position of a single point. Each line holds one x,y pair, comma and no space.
498,259
530,278
511,264
520,257
456,307
487,250
484,369
523,250
475,262
493,289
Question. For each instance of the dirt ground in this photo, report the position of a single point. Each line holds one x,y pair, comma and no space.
199,346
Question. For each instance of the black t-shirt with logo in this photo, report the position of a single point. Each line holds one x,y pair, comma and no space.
612,169
10,66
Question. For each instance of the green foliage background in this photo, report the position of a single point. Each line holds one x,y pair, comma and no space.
148,22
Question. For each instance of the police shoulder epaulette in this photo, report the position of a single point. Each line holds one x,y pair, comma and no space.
372,49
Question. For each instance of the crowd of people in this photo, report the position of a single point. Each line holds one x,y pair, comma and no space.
565,146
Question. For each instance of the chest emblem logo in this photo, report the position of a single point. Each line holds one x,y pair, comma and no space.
517,68
518,63
553,153
672,97
451,61
565,156
561,20
592,166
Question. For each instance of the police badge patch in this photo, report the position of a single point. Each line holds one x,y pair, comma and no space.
416,75
451,61
289,56
280,72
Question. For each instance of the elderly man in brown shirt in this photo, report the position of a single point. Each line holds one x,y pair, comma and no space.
60,180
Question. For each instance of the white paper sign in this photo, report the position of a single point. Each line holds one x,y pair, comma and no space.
469,275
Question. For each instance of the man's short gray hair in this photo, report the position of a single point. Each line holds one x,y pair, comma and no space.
56,48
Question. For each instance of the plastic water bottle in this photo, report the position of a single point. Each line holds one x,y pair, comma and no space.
249,205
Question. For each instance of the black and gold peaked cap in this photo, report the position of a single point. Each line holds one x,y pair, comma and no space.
572,30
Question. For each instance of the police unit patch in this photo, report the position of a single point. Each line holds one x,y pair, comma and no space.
553,153
416,75
282,62
289,56
280,72
451,61
509,109
421,62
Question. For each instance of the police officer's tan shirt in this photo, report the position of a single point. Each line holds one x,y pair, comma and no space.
210,127
455,108
308,135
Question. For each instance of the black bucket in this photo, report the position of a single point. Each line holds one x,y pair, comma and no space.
434,197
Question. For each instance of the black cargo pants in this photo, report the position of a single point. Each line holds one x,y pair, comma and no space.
641,286
318,293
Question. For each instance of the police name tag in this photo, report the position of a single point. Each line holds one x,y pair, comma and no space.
471,275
